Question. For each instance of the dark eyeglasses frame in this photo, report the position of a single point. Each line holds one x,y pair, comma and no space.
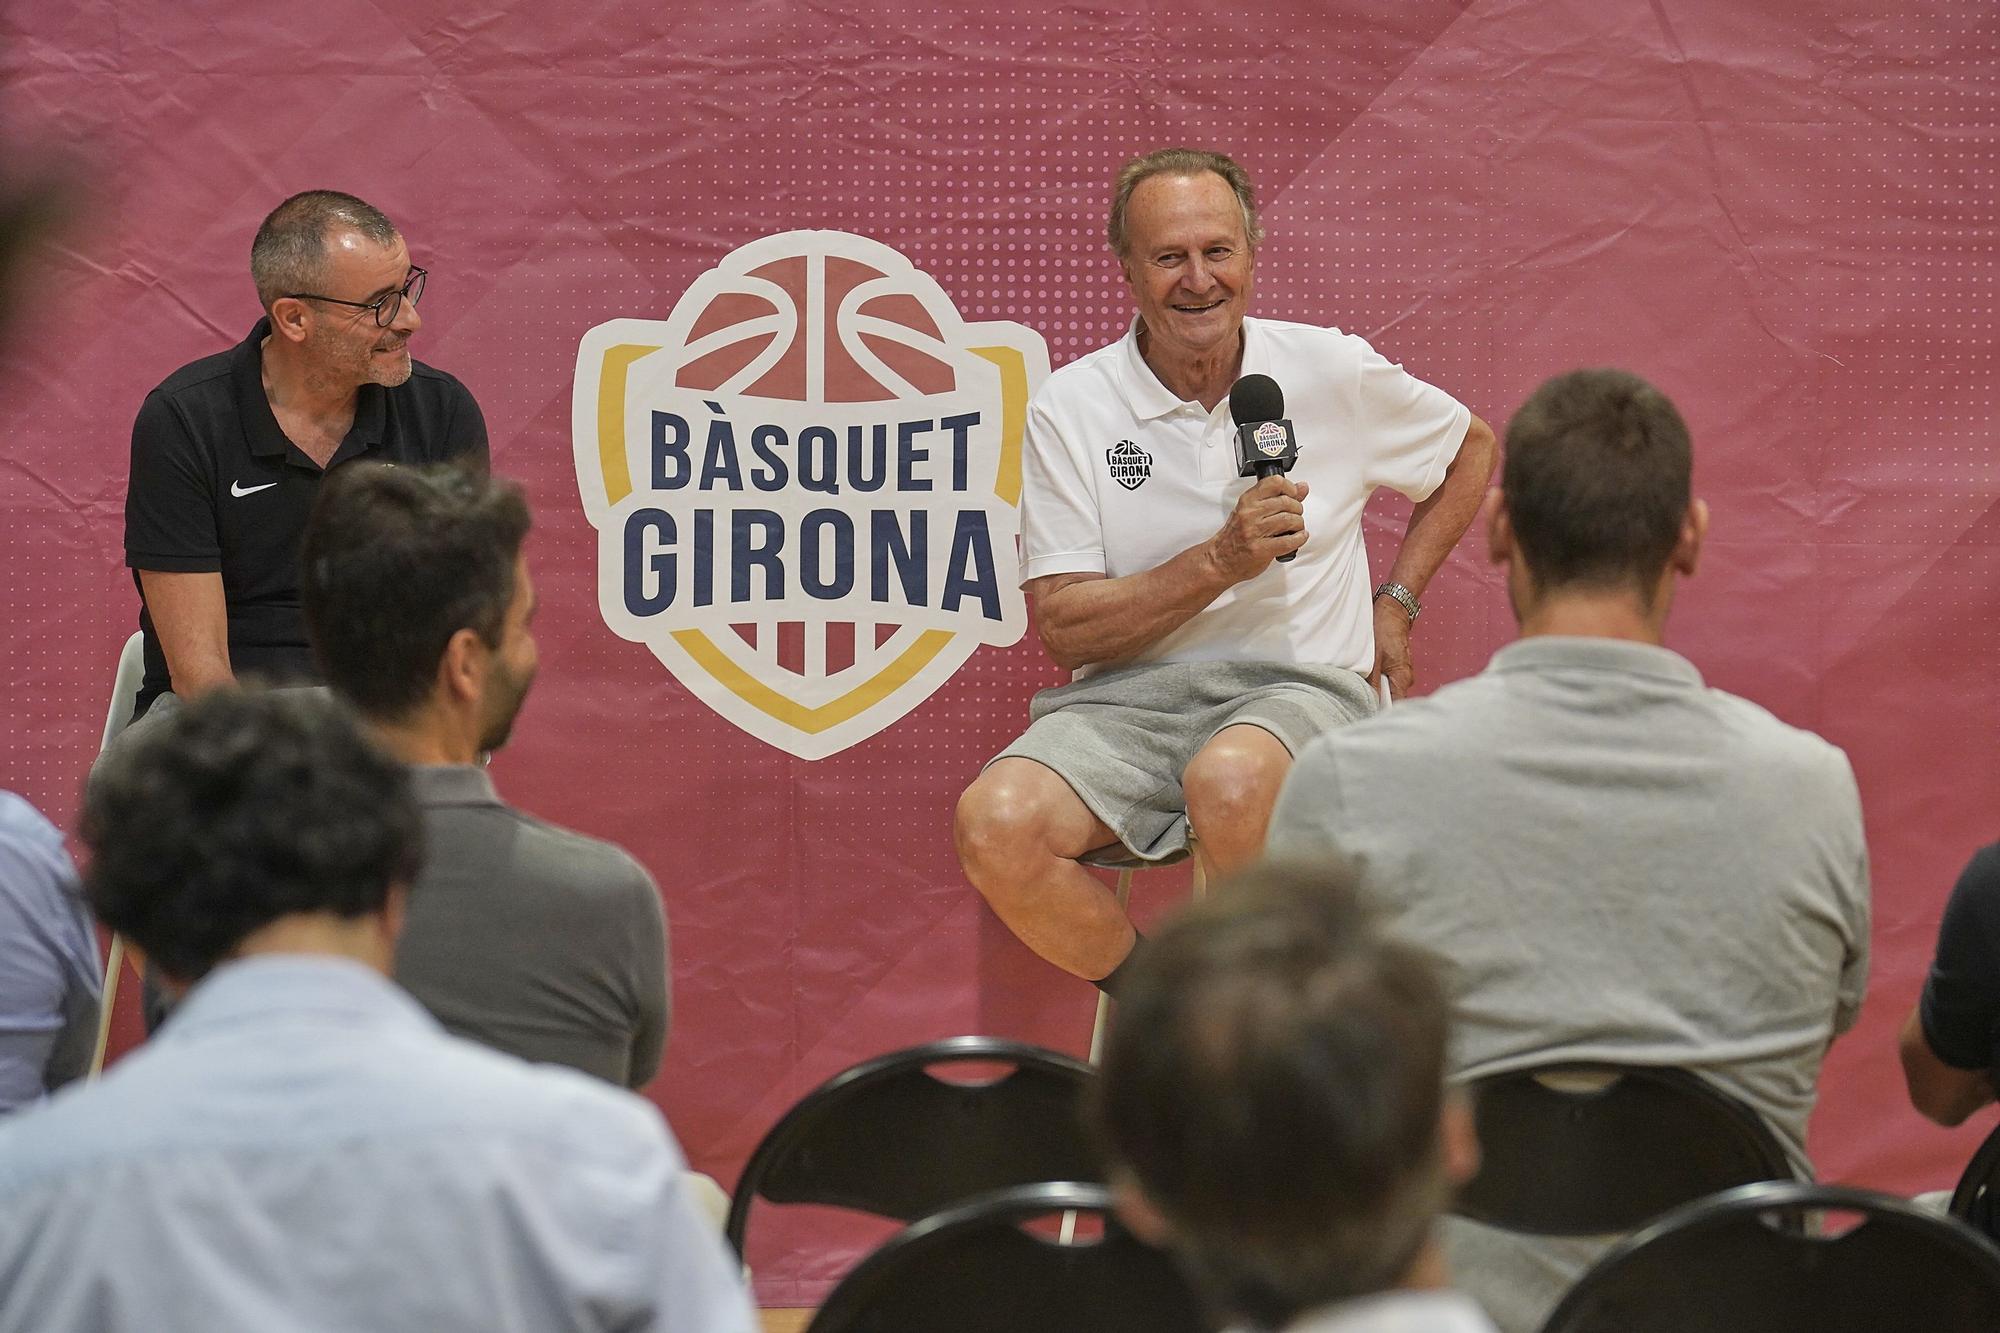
412,290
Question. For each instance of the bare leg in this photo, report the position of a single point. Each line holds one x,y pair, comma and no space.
1231,785
1019,829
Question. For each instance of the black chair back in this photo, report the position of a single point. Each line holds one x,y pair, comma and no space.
972,1269
1749,1259
1976,1201
887,1137
1559,1162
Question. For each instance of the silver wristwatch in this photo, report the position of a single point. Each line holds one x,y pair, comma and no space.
1404,598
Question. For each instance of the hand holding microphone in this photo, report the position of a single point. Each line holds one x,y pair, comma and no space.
1270,514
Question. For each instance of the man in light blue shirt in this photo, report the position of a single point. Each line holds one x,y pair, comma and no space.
303,1147
50,976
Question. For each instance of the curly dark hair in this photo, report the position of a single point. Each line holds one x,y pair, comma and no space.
239,809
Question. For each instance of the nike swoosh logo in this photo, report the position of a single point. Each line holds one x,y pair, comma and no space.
239,490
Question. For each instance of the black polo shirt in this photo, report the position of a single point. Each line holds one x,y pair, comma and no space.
217,487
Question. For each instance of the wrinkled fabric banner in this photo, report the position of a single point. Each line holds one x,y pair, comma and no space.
1780,213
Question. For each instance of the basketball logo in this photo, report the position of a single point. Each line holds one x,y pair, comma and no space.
805,484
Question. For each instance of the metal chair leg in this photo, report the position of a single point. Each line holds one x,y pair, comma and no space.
1104,1000
114,965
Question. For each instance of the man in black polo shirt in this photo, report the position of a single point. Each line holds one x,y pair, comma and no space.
1951,1042
228,452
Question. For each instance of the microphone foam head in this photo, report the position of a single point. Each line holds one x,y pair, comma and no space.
1256,398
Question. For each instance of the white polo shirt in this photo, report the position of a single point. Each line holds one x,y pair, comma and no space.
1120,475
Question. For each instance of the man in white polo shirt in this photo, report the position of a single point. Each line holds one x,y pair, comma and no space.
1201,662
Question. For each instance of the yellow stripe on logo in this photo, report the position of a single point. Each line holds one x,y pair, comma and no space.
812,721
611,418
1013,417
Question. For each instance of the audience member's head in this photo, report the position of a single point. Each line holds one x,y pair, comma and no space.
240,814
1273,1101
1595,493
293,249
417,597
340,291
1178,162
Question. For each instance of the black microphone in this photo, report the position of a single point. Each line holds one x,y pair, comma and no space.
1265,442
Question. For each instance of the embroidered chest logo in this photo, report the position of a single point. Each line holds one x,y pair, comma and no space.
1130,465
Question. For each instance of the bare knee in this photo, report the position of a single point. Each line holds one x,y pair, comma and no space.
1232,784
999,827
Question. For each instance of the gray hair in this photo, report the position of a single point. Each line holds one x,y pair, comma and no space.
1180,162
289,254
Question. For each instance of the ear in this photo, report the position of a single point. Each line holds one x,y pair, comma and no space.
288,319
1458,1138
1499,528
1137,1212
462,669
1694,530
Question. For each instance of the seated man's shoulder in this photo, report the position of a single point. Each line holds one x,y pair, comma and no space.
1767,740
195,374
588,865
1321,344
1437,723
510,1097
1086,375
428,379
20,822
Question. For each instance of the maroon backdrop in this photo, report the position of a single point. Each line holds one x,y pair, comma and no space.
1781,213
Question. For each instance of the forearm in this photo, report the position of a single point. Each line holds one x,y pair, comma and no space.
1941,1092
1102,620
191,617
1441,519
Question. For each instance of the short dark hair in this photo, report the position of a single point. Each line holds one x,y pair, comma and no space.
1597,480
396,560
289,252
237,810
1180,162
1274,1083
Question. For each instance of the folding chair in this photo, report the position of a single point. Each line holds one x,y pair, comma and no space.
888,1137
1596,1149
1757,1258
973,1269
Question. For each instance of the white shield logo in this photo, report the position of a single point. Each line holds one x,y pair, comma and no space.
805,483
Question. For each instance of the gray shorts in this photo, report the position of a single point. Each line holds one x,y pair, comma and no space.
1122,738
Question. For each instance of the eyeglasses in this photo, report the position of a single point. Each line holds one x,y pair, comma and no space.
387,307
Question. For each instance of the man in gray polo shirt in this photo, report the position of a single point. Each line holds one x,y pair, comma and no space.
1621,863
523,936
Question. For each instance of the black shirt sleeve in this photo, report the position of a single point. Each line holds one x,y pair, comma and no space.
465,435
170,523
1960,1009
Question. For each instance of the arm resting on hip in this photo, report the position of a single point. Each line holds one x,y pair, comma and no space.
1441,519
